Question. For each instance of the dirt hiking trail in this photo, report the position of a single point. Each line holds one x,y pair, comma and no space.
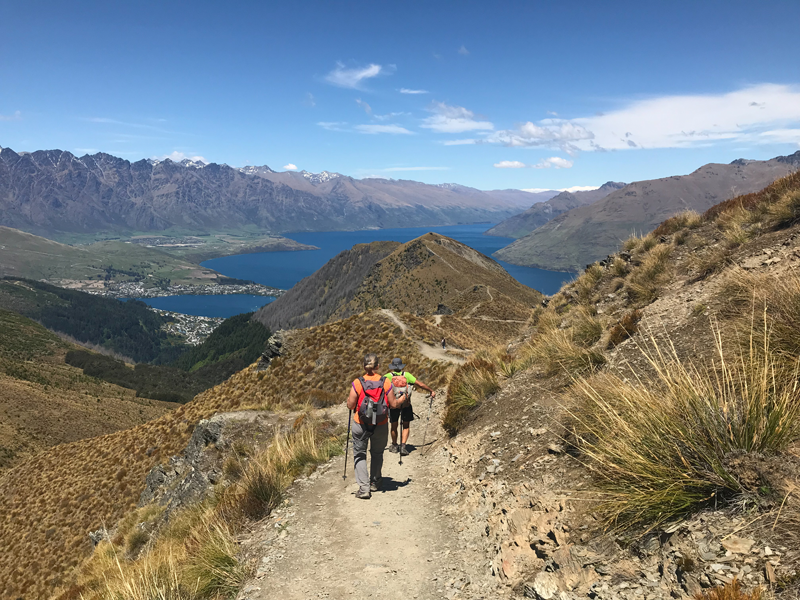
325,543
432,352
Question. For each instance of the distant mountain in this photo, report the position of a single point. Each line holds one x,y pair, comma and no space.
523,198
539,214
585,234
429,274
53,191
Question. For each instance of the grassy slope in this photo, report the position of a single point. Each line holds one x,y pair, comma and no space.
49,502
30,256
44,402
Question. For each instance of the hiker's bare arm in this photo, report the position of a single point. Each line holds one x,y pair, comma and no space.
394,402
418,383
352,399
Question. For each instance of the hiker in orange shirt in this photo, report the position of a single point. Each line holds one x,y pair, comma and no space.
370,399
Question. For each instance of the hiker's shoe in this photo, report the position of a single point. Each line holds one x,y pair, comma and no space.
375,486
394,448
363,495
403,450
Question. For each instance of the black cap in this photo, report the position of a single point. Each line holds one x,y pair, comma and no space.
397,365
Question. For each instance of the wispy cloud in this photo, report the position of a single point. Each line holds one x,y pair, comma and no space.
464,142
333,125
310,100
408,91
554,162
375,128
352,78
367,108
16,116
463,51
290,167
453,119
391,115
762,113
510,164
109,121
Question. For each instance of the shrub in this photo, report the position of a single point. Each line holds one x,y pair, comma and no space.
659,446
471,384
627,326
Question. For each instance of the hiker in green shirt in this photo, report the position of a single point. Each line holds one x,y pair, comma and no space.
402,381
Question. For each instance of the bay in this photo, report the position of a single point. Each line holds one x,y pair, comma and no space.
223,305
284,269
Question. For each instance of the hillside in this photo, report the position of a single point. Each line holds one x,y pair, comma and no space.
537,215
53,191
585,234
50,502
437,282
34,257
45,402
313,300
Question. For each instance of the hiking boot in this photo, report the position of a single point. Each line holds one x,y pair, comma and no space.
394,448
362,495
375,486
403,450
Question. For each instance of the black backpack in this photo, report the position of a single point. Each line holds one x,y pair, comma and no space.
372,407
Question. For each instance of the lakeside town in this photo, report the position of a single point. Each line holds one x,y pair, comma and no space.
137,289
193,329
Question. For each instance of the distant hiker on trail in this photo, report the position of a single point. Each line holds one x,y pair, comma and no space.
370,399
444,344
401,382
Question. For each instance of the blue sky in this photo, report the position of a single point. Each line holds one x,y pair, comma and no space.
511,94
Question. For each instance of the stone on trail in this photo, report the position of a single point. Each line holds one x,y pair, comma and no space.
737,545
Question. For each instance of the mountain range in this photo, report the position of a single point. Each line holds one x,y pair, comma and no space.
537,215
51,192
588,233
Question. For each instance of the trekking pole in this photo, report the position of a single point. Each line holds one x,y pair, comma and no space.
427,420
400,434
347,444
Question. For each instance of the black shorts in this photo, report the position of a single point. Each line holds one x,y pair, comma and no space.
408,414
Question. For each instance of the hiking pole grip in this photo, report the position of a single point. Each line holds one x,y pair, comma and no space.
347,444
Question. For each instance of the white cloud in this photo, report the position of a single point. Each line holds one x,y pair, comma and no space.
17,116
333,125
453,119
463,142
463,51
179,156
290,167
408,91
555,162
390,115
367,108
352,78
374,129
763,113
510,164
574,188
310,100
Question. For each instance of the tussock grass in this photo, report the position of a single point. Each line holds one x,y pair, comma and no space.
626,327
196,556
645,281
472,383
585,284
688,219
730,591
586,327
786,210
556,351
620,267
658,446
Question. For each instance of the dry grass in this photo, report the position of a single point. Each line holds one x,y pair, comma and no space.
620,267
646,281
730,591
471,384
626,327
687,219
196,556
658,446
585,284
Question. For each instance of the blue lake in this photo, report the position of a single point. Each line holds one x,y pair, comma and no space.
210,306
284,269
